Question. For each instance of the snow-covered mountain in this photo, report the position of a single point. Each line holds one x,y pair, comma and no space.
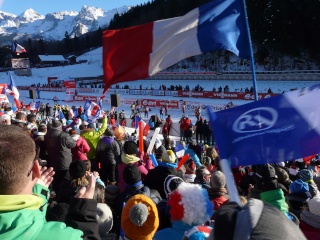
53,26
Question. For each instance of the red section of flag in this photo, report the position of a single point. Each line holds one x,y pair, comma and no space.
120,63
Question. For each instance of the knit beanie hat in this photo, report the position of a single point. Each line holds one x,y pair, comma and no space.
283,176
169,157
218,180
130,147
131,174
190,204
299,186
171,183
56,123
77,169
314,206
198,233
191,167
91,125
305,175
104,218
139,218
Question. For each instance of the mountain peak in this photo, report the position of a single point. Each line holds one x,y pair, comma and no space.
29,15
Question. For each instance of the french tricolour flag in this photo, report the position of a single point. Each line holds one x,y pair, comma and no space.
92,110
17,48
14,91
141,51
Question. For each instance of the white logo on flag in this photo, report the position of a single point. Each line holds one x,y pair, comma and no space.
256,120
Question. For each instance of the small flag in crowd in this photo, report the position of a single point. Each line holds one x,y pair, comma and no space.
281,128
92,110
17,48
137,119
217,25
14,91
61,115
179,149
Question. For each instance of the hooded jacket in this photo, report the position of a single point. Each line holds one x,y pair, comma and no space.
93,137
79,152
23,217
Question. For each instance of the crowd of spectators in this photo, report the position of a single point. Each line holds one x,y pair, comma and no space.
90,180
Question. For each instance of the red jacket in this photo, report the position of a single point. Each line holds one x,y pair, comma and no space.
186,124
79,152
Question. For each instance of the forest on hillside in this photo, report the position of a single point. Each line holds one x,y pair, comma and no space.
277,27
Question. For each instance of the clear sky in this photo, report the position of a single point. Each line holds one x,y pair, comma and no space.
49,6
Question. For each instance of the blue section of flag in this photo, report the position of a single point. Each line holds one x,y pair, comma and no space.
222,26
37,105
61,115
75,112
137,119
87,105
281,128
4,90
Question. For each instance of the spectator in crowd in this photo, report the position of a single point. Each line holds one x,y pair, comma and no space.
161,112
206,132
203,177
156,176
58,145
189,206
79,152
39,141
5,119
218,192
108,154
190,173
232,222
129,156
92,137
169,122
32,123
199,133
24,195
182,138
298,196
306,175
20,120
139,218
310,219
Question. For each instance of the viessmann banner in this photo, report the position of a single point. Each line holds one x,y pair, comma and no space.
224,95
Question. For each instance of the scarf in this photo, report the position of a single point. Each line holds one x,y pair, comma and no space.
310,219
126,158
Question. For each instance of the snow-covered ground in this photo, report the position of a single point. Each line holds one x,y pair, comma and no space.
93,67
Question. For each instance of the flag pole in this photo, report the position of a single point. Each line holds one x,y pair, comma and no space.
253,70
224,163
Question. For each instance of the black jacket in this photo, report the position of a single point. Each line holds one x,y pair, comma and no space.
156,177
58,145
108,151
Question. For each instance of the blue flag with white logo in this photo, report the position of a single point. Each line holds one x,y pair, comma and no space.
280,128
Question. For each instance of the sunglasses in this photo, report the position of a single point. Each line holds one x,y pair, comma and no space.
36,159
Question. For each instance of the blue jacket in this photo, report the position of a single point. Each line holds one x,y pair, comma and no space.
176,232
